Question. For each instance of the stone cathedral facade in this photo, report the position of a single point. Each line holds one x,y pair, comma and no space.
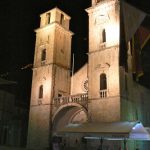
101,91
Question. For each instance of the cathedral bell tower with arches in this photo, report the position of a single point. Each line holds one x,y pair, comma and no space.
103,66
51,74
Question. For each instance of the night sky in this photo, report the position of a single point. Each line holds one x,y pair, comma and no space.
19,18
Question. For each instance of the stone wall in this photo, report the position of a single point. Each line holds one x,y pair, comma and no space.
78,81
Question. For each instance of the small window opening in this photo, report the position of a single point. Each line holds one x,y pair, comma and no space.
61,19
60,95
48,16
43,55
41,91
103,36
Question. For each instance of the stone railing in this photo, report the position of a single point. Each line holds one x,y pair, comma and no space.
103,93
79,98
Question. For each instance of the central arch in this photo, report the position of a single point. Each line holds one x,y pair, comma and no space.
73,113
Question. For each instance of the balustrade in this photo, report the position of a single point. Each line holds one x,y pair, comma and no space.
80,99
103,93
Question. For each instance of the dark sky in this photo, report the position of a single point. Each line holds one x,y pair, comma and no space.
19,18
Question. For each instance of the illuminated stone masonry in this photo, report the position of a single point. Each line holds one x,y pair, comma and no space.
101,91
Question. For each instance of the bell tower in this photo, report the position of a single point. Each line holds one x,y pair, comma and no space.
51,74
103,68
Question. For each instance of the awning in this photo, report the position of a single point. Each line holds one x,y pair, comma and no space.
111,131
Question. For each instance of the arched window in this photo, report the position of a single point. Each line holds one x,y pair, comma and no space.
103,81
103,85
41,91
43,55
61,19
48,17
103,36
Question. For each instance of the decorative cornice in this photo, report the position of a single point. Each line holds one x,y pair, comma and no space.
46,65
54,24
102,4
99,50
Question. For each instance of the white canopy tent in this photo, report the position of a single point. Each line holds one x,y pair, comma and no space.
111,131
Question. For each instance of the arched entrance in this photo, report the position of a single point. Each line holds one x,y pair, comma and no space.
73,113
